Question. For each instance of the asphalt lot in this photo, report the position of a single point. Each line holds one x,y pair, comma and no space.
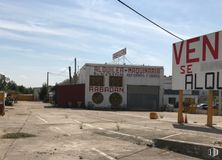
63,133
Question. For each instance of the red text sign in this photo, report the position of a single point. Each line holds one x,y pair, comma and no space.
197,63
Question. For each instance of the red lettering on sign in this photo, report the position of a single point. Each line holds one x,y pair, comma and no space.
91,89
105,89
182,69
189,68
186,69
176,55
206,43
191,50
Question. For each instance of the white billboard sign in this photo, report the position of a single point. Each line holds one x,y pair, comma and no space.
197,63
120,53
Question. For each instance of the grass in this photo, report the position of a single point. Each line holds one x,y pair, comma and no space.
17,135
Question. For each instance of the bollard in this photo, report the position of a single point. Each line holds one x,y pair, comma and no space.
185,121
153,115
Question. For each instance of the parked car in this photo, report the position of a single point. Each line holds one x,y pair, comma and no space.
202,106
9,101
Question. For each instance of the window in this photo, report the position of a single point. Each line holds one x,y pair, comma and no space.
172,100
96,81
115,81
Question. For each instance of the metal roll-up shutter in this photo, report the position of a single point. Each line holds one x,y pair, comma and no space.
143,97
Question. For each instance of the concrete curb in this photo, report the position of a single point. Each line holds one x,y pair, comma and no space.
124,136
189,148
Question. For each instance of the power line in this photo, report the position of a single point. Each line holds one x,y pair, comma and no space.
150,20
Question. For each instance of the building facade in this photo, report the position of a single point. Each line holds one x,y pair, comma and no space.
123,86
172,96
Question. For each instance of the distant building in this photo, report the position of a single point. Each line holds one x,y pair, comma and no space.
172,96
36,92
129,87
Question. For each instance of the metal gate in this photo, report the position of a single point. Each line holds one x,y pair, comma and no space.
143,97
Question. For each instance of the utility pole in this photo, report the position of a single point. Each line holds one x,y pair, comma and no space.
75,74
70,77
47,83
47,86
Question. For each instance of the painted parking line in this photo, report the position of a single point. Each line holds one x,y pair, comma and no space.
118,133
42,119
131,115
103,154
172,135
77,121
61,131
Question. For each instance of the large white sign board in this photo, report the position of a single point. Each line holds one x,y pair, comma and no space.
197,63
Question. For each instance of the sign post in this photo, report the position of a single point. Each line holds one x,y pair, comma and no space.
197,65
180,107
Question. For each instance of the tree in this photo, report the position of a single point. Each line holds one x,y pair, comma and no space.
3,82
11,85
43,92
8,85
21,89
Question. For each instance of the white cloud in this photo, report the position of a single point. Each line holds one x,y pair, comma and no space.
26,28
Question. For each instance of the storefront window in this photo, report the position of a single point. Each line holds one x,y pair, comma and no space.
115,81
96,81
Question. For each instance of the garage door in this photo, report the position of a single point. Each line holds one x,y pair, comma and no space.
142,97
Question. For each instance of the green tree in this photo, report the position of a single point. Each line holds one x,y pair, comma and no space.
43,92
21,89
29,90
12,86
2,82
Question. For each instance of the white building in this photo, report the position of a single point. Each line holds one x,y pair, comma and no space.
36,92
123,86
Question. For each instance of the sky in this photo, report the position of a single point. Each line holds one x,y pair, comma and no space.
40,36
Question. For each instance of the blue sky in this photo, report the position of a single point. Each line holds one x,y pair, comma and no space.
39,36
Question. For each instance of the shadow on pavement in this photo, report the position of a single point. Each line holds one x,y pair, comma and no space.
198,128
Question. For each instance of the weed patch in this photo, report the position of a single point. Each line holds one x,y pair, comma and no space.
17,135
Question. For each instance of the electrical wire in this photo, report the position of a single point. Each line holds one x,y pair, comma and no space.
150,20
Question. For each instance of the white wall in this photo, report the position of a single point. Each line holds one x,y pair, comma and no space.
130,77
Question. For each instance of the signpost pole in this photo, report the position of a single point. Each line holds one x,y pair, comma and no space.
180,107
219,108
209,109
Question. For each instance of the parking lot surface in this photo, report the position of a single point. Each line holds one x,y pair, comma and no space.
64,133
